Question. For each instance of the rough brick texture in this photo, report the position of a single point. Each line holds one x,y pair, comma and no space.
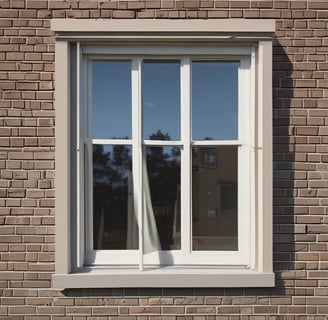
27,142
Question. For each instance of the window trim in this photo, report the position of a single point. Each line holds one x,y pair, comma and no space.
228,33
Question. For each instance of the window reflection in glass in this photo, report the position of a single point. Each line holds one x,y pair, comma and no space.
114,223
214,198
161,98
111,99
163,168
214,100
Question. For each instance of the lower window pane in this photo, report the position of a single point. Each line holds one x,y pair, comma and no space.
114,222
214,198
163,171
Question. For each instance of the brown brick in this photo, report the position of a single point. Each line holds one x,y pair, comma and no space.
136,5
307,130
228,310
146,14
217,14
173,310
318,5
281,300
7,13
104,310
200,310
153,4
123,14
8,66
323,131
145,310
265,309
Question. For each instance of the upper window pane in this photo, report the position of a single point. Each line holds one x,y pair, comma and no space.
111,99
161,98
214,100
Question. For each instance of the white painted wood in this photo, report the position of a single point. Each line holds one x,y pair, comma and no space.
80,162
265,236
244,174
137,87
145,26
185,256
63,183
165,52
109,258
168,143
87,190
253,134
112,141
217,142
186,213
244,159
163,278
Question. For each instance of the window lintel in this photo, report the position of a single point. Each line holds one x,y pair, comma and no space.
173,30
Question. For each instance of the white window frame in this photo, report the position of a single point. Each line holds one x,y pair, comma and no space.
76,264
185,256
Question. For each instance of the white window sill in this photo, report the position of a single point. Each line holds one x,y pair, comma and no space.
169,277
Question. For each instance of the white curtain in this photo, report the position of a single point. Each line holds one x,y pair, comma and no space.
151,242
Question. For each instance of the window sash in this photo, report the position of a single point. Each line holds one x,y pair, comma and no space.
245,168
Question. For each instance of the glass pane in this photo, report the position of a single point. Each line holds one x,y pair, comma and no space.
114,222
111,99
163,168
214,198
161,98
214,100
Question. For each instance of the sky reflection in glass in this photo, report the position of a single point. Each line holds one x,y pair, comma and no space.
214,94
161,98
214,100
111,99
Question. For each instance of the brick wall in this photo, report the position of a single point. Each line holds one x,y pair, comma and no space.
27,140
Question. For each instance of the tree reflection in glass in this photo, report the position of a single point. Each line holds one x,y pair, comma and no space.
163,168
114,221
112,198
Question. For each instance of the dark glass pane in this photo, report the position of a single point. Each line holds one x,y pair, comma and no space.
214,198
163,167
214,100
114,222
111,99
161,98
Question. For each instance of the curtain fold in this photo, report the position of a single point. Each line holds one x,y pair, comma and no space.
151,242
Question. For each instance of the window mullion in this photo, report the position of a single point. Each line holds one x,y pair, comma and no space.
137,150
185,156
